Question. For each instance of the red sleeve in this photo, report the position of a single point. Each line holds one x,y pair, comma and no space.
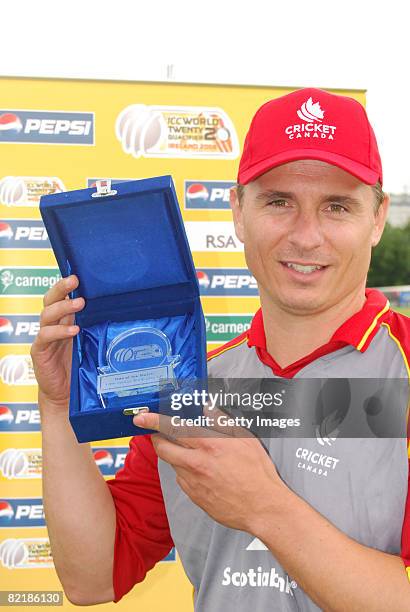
399,330
142,534
405,535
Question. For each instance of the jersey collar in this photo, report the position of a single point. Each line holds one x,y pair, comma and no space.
358,331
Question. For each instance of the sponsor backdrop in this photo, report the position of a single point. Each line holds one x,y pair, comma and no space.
58,135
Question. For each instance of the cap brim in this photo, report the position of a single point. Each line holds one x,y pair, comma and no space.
360,171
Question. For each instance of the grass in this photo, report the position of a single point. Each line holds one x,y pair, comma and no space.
405,311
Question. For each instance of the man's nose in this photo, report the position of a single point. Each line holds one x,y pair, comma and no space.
306,231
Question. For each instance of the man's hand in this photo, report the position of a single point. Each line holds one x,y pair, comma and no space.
226,475
51,350
233,479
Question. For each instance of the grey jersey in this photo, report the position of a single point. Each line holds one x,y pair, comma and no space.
359,484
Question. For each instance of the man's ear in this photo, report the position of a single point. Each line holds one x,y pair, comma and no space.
237,213
380,220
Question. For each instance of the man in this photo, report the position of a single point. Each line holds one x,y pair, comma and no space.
255,529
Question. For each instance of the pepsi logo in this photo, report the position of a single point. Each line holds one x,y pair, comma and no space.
103,457
229,281
6,415
5,326
204,195
5,230
20,514
110,460
197,191
27,234
6,510
52,127
10,122
19,417
18,329
203,279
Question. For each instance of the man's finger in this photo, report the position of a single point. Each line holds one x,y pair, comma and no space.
147,420
55,313
180,432
53,333
222,423
173,453
184,435
61,290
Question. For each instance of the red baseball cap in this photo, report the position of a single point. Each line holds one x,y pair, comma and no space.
311,124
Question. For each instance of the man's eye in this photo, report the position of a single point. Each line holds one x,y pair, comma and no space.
337,208
278,203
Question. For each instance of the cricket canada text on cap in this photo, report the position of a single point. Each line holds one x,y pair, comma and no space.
311,124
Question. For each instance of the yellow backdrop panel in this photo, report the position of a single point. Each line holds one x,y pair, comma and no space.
42,149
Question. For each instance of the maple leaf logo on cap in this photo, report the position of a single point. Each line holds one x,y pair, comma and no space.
310,111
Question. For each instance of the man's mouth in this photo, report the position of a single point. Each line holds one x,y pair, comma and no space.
303,268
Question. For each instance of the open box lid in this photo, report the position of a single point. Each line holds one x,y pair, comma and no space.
131,241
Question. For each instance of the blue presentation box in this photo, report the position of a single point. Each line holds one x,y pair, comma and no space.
142,329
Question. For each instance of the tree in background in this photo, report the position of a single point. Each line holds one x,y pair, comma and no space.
391,258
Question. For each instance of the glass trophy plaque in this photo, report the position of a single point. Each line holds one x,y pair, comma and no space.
139,362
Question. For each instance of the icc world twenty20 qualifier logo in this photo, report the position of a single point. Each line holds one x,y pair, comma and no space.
177,131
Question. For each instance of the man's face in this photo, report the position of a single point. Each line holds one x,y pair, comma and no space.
308,229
